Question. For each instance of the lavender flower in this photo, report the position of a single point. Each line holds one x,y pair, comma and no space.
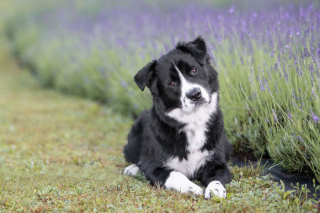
306,52
266,83
231,10
262,88
253,95
299,138
250,81
294,94
315,118
277,90
251,70
298,71
289,114
123,84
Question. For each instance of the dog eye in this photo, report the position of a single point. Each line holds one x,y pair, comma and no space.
173,84
194,71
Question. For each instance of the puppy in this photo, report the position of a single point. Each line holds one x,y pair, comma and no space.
182,137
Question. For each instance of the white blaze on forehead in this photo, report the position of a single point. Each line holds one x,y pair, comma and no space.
186,86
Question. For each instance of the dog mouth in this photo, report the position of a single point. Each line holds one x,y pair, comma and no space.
200,103
192,106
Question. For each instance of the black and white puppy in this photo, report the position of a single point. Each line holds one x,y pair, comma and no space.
182,137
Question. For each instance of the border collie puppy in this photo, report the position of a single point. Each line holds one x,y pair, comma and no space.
182,137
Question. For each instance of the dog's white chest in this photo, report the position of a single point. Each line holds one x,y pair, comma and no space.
195,130
196,158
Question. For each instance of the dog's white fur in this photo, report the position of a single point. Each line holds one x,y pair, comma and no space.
216,188
181,183
131,170
195,131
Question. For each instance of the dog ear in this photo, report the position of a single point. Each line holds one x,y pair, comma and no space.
197,48
143,77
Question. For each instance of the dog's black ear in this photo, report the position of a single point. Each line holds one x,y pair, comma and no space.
144,76
197,48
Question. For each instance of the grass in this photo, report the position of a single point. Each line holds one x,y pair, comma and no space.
64,154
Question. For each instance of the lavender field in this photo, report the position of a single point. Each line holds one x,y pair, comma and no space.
267,56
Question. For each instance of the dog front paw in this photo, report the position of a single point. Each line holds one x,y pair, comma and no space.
131,170
180,182
193,188
215,187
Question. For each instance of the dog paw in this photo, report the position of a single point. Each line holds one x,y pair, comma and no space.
180,182
194,189
216,188
131,170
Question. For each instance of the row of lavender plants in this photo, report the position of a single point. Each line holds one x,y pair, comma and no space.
268,59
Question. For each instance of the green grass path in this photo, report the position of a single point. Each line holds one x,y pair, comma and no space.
54,146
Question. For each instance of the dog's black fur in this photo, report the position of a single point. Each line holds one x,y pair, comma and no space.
155,137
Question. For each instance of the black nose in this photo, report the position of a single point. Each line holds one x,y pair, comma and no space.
194,94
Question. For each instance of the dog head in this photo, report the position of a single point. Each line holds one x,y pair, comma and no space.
182,79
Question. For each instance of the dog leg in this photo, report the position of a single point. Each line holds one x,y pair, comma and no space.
180,182
131,170
215,179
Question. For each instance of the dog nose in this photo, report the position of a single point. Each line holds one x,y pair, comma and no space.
194,94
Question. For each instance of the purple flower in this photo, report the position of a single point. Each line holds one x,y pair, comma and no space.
294,94
315,118
250,80
266,83
289,114
231,10
306,52
252,72
277,90
299,138
261,85
253,95
123,84
299,71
